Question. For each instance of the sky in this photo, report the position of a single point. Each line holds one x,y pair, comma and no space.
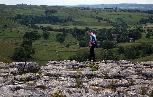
72,2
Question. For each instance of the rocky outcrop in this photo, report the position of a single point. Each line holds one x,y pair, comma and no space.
22,67
74,79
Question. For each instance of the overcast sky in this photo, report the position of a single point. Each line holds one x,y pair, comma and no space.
73,2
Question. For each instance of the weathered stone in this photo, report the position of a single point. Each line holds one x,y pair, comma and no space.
115,72
75,66
3,65
14,71
76,79
1,80
148,63
27,77
148,73
127,72
32,67
52,73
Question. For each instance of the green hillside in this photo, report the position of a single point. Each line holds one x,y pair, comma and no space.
72,22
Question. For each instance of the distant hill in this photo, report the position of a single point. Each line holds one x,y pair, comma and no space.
121,6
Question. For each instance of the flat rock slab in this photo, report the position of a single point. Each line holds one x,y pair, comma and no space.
73,79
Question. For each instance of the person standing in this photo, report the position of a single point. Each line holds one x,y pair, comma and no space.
92,45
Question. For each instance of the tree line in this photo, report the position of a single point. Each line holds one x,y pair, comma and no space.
146,20
108,38
32,19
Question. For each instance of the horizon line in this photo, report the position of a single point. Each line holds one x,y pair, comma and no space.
79,4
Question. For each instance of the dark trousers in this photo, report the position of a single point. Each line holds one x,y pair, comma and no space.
92,53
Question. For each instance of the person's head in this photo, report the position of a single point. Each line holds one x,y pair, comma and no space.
89,32
93,32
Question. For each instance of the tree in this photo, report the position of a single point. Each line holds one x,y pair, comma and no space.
83,42
149,33
131,52
135,34
109,55
124,37
50,11
108,44
46,35
25,51
26,42
147,49
120,26
33,35
60,38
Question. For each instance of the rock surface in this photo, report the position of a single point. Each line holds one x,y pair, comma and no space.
74,79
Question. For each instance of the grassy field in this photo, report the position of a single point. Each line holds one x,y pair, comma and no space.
11,31
145,40
6,50
146,58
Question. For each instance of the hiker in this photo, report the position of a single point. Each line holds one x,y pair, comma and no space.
92,45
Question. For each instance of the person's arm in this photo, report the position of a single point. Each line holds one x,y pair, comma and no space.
90,42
